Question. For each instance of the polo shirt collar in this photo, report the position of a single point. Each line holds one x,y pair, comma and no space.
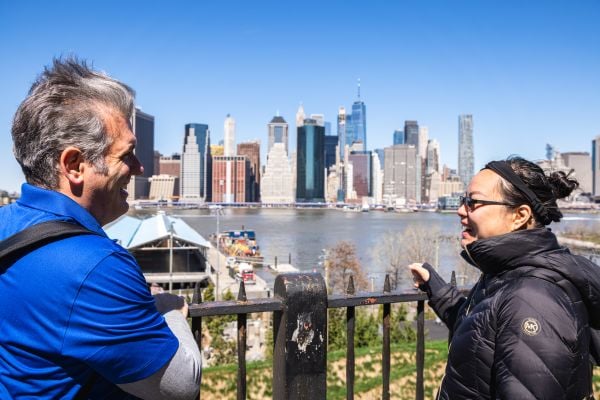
59,204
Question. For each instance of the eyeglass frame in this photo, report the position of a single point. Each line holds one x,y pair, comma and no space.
464,200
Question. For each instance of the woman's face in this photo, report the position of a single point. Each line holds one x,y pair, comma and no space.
485,220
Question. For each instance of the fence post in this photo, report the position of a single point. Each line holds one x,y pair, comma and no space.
300,335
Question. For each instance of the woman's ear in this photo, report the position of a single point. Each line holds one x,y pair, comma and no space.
522,216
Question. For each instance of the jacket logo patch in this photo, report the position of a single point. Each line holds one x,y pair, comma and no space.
530,326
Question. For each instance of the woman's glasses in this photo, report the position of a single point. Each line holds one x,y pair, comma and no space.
469,202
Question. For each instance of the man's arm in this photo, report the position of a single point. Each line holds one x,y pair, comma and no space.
180,378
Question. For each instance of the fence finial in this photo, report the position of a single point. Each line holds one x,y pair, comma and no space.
386,285
350,289
242,292
197,297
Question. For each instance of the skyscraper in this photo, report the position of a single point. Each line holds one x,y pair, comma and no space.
465,148
398,137
229,136
196,162
143,128
411,133
331,144
277,185
230,181
310,170
278,133
300,116
252,151
433,157
402,175
596,166
423,139
361,172
341,130
359,120
581,163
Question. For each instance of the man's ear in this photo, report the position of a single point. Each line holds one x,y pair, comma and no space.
521,217
71,165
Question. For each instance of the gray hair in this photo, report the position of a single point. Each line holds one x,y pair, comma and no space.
66,106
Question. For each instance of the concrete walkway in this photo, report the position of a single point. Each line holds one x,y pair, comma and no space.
219,264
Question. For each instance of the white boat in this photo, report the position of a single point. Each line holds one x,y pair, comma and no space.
282,268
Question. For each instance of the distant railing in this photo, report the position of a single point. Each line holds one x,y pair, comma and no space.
300,333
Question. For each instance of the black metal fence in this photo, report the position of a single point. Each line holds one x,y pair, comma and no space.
299,308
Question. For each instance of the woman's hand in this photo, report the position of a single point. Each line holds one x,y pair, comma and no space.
420,274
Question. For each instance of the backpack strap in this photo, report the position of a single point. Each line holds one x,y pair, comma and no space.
33,237
38,235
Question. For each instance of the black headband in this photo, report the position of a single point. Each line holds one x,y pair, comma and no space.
503,169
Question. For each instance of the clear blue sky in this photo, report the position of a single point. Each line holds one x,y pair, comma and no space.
528,71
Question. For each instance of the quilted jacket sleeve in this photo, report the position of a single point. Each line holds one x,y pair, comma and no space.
537,347
445,299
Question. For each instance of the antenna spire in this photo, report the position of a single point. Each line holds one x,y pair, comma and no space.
359,88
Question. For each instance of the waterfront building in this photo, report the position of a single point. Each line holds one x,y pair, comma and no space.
277,181
432,157
465,148
251,150
216,150
327,126
166,248
381,156
310,163
361,172
142,125
423,140
278,133
164,187
229,136
138,188
231,178
398,137
331,145
300,116
333,183
143,128
596,166
359,120
196,166
376,179
319,118
411,133
341,130
170,165
402,175
581,163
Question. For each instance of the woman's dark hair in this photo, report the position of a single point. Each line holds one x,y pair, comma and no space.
547,188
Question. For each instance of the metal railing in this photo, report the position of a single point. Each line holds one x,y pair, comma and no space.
299,308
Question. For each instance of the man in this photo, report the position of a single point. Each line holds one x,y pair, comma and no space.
76,317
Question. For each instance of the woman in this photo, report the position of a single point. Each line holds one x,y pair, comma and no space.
524,330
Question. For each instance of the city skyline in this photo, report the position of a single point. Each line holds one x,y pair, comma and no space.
525,82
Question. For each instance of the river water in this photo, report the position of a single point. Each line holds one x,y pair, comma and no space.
304,233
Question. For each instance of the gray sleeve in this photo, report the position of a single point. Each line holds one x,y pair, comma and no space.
180,377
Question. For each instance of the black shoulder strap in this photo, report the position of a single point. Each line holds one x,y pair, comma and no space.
38,235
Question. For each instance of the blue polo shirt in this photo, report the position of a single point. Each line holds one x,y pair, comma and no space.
72,307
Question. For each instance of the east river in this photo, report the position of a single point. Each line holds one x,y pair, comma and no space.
304,233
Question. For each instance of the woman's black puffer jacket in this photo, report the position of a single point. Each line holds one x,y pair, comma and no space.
524,330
